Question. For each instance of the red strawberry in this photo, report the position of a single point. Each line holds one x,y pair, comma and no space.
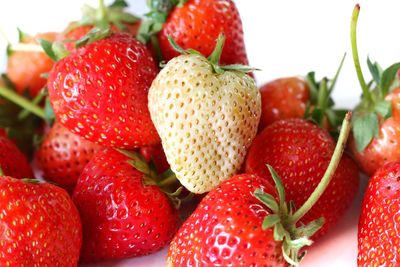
40,225
25,68
100,92
283,98
196,25
12,161
121,216
225,229
156,154
62,156
300,153
295,97
379,225
376,122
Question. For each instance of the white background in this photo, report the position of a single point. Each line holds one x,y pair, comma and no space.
283,38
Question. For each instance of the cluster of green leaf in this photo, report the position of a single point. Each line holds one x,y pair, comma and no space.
374,106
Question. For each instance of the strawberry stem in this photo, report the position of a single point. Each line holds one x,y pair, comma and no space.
353,36
22,102
330,171
102,14
38,98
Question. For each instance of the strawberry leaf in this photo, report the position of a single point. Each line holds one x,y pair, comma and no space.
376,71
388,76
365,128
384,108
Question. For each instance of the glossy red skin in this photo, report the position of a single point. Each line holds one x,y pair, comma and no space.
121,216
62,156
300,152
25,68
379,225
225,229
12,161
100,92
283,98
197,25
76,33
386,147
155,153
40,226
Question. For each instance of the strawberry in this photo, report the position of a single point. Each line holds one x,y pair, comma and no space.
12,162
376,121
121,215
245,222
99,92
378,228
25,68
112,15
62,156
300,152
206,115
156,155
40,225
283,98
196,24
297,97
225,229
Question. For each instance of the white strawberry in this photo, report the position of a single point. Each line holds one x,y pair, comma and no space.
206,115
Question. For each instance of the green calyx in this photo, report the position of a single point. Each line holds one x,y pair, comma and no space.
215,56
159,11
284,216
373,105
167,181
321,105
105,16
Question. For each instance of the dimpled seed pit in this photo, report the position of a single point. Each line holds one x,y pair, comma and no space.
206,121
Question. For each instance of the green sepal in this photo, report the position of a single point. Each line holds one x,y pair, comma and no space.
92,36
49,114
267,199
388,76
48,49
270,221
365,128
321,104
31,181
214,58
21,35
104,16
311,228
280,233
55,51
384,108
375,70
279,188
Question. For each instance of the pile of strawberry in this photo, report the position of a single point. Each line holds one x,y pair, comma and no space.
116,128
